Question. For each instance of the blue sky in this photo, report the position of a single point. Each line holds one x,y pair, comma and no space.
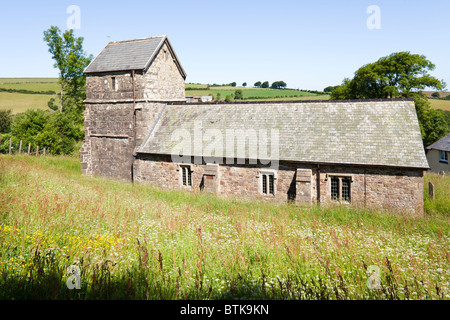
307,44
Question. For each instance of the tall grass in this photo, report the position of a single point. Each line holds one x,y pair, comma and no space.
139,242
441,202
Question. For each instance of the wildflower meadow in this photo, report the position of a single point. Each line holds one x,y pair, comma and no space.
135,241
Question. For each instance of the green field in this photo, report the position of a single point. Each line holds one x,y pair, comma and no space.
248,93
440,104
251,94
27,80
134,241
19,102
32,84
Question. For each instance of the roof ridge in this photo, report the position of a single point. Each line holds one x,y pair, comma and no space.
291,101
138,39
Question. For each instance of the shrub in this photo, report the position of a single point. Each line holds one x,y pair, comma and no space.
5,121
52,131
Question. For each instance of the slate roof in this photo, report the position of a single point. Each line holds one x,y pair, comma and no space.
381,132
129,55
442,144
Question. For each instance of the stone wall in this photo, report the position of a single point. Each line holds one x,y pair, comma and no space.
109,140
118,118
386,188
161,82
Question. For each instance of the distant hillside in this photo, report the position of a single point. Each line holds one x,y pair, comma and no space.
442,94
20,94
251,93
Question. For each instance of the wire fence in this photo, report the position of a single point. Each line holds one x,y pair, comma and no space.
22,147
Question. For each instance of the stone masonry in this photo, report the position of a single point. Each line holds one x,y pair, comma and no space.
119,115
394,189
136,99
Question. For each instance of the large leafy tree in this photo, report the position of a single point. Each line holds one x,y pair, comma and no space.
399,75
70,60
265,84
433,124
278,85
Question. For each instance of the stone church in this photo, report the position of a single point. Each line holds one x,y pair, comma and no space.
138,127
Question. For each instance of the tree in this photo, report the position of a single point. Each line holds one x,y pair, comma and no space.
238,94
51,104
397,75
278,85
436,95
244,84
257,84
29,124
5,121
70,60
228,98
265,84
233,84
329,89
53,131
59,135
433,124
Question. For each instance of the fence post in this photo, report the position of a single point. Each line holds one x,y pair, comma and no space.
431,190
37,151
29,148
44,151
20,147
10,142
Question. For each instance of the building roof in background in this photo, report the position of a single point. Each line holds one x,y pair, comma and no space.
384,132
129,55
442,144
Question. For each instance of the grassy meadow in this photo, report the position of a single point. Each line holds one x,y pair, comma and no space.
21,102
440,104
32,84
139,242
251,93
